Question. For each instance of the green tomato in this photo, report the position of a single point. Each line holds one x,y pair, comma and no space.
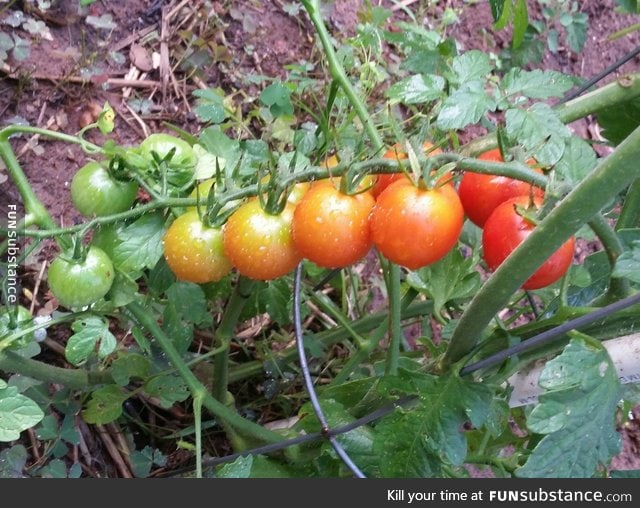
13,320
78,283
95,192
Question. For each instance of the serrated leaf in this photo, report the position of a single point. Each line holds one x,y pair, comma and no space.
576,414
210,106
536,84
577,31
239,468
17,413
169,389
628,264
190,302
465,106
89,333
540,130
417,89
578,160
129,365
141,244
470,66
278,98
415,443
105,405
619,121
450,278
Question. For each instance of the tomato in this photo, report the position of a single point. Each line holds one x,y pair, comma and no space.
330,228
505,229
161,144
414,226
12,320
366,183
481,193
195,252
94,192
397,152
78,283
259,244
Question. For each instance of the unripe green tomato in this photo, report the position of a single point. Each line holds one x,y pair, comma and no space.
94,192
78,283
161,144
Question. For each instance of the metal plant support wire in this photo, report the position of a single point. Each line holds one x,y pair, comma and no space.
315,403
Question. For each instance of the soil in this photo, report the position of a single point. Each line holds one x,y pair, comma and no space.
246,37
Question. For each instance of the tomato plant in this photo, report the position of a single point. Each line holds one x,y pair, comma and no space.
14,319
415,226
165,146
259,244
507,227
331,228
195,252
482,193
80,282
94,192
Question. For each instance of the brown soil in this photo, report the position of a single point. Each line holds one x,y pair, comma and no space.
247,37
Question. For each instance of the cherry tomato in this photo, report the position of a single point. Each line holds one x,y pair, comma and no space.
481,193
415,227
366,183
195,252
260,245
94,192
505,229
12,320
330,228
397,152
77,283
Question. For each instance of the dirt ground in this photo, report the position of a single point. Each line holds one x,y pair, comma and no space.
80,67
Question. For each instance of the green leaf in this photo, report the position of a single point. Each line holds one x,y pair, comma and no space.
628,264
13,461
105,405
501,12
520,22
536,84
417,89
169,389
104,22
578,160
142,461
576,414
190,303
619,121
239,468
210,106
21,48
278,98
470,66
89,333
416,442
450,278
576,26
129,365
141,244
465,106
540,131
106,119
17,413
629,6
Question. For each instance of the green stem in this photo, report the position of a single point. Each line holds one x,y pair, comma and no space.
197,416
630,213
225,414
395,325
225,332
339,75
587,199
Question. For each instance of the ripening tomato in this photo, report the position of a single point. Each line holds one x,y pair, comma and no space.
505,229
331,228
260,245
195,252
397,152
414,226
366,183
482,193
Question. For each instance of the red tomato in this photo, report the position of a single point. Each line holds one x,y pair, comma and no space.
505,229
330,228
481,193
415,227
260,245
396,152
194,251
